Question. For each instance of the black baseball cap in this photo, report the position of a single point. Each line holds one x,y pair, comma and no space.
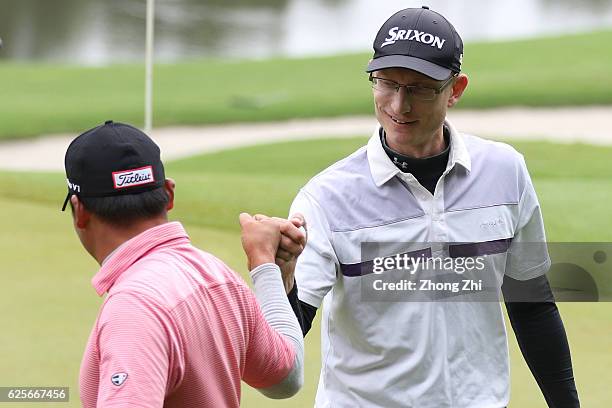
419,39
112,159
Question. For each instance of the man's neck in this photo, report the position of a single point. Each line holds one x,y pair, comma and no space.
109,237
427,170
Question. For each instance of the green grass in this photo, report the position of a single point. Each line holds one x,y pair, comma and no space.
37,99
49,305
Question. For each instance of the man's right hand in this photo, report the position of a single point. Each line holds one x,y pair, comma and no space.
294,233
294,236
260,239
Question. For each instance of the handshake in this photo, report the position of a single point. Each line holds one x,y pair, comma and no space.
274,240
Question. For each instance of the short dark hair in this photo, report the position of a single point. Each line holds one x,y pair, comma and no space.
122,210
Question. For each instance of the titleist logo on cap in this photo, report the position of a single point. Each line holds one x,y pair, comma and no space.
395,34
134,177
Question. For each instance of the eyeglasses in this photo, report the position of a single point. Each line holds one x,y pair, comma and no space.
423,93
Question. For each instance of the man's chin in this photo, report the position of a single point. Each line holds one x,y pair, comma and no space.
403,132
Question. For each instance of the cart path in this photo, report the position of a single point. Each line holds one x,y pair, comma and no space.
564,125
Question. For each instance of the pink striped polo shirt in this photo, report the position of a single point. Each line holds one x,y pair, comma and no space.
178,328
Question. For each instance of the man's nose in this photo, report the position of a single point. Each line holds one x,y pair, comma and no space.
402,101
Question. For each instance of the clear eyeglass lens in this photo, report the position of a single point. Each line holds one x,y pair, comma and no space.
423,93
389,87
384,85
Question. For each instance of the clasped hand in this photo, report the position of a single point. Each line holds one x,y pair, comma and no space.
272,239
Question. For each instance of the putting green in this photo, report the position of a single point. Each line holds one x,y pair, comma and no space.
49,305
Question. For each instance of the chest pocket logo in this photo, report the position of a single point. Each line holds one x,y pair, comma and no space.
494,223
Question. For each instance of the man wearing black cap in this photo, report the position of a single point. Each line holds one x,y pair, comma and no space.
422,190
178,328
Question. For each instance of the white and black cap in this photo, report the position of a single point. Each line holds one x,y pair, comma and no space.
419,39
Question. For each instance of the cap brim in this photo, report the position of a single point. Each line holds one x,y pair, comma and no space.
403,61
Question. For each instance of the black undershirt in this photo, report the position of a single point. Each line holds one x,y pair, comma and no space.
427,170
537,324
304,312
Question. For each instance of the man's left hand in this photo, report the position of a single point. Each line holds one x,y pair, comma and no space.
292,243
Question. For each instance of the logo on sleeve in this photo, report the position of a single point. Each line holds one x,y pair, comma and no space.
119,378
134,177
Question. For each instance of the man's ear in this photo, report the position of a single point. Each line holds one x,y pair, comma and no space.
459,85
169,186
80,213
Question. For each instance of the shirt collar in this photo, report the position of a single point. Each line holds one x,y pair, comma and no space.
383,169
132,250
